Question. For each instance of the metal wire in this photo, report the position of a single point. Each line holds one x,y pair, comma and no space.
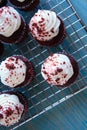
42,96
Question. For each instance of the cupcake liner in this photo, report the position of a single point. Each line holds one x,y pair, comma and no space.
1,48
75,69
26,5
19,36
57,39
3,3
30,72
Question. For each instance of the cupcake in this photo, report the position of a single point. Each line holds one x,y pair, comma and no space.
13,106
47,28
13,28
16,71
3,3
60,69
26,5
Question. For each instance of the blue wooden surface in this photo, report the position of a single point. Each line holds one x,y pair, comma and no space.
72,114
81,8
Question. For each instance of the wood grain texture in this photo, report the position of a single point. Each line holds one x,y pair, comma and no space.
70,115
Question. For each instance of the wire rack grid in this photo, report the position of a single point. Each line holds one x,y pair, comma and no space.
42,96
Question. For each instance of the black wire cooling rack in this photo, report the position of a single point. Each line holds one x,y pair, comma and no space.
42,96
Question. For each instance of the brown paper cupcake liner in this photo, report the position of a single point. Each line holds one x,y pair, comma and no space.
3,3
26,5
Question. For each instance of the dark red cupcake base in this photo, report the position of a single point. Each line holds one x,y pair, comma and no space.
3,3
75,70
21,97
56,40
30,72
19,36
27,5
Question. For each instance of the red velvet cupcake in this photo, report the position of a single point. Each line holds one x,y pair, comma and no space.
26,5
16,71
60,69
3,3
13,28
47,28
13,106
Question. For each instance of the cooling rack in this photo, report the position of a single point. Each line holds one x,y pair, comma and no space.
42,96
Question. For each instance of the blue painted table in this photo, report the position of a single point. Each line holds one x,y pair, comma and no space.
72,114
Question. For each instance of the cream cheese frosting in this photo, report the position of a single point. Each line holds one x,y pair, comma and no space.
57,69
11,109
10,21
44,25
12,71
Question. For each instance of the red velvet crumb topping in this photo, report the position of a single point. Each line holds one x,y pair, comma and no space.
8,112
10,66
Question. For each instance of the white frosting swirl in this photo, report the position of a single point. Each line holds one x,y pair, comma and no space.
44,25
57,69
11,109
21,0
10,21
12,71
